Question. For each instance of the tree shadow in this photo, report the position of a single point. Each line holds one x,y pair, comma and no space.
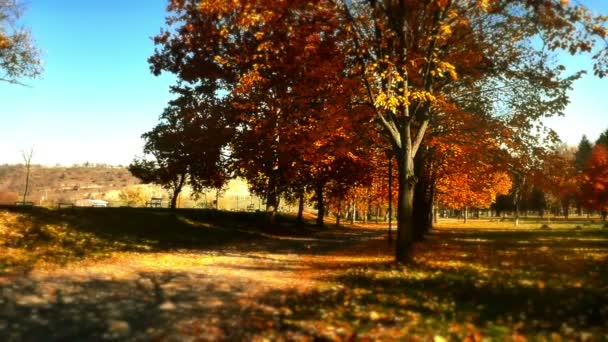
61,236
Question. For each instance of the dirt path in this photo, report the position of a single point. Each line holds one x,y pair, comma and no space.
235,293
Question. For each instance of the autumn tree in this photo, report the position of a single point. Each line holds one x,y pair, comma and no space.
18,56
414,61
558,178
414,57
594,181
186,147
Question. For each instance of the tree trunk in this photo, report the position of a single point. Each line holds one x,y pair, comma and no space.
176,191
339,212
271,202
353,213
377,213
217,199
405,207
465,214
27,157
300,208
320,205
423,207
390,199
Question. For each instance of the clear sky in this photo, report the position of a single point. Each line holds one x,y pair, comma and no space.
97,96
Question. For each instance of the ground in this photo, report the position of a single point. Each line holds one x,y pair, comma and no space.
126,274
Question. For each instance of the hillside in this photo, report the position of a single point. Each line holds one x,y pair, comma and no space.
59,184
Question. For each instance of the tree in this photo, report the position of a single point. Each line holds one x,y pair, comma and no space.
186,147
594,180
581,157
603,138
582,153
414,57
27,159
558,178
18,56
413,62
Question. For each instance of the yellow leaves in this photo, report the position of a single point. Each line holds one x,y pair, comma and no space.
483,4
445,68
445,30
5,43
391,103
224,31
221,60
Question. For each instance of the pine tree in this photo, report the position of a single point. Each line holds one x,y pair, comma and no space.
582,153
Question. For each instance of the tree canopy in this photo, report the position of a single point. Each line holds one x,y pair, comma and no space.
304,80
19,58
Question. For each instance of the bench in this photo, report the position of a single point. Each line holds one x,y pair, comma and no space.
155,202
251,207
62,205
24,204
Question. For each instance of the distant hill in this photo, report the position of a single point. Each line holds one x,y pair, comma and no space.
62,184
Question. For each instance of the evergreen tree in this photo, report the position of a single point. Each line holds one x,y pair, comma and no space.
582,153
603,139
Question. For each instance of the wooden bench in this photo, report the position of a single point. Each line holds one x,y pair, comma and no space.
63,205
155,202
24,204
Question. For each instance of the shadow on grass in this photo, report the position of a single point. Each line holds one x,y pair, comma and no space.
465,289
153,306
60,236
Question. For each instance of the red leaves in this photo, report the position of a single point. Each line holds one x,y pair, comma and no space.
594,179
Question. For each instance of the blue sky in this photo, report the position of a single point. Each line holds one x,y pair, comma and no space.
97,96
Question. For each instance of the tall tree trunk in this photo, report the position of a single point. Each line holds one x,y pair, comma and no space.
466,214
423,207
377,212
339,212
353,213
423,195
27,158
320,204
390,199
176,191
300,217
405,207
272,201
217,199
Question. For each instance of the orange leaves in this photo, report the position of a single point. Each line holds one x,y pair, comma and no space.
594,179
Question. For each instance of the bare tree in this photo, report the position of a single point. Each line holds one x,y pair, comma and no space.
27,158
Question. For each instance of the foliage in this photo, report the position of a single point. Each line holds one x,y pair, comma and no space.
603,138
18,56
582,153
410,71
186,146
594,180
135,195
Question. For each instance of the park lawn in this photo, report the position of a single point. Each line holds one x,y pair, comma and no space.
218,275
41,237
469,282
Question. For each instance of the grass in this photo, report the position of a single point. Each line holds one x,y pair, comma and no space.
152,274
42,236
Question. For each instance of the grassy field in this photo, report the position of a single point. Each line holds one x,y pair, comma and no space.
141,274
